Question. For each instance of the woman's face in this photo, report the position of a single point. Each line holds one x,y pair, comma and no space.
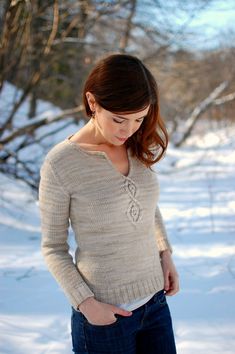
112,127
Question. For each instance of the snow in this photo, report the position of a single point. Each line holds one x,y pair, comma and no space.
197,201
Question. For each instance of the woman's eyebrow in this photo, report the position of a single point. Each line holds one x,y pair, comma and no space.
128,118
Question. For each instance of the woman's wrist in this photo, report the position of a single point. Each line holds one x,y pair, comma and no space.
88,301
164,253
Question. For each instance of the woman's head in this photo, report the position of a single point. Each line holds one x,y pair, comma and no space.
121,85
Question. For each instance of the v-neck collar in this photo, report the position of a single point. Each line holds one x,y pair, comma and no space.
103,154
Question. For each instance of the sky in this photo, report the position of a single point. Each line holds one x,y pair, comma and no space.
207,23
218,18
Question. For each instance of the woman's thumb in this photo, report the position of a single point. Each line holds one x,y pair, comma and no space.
122,312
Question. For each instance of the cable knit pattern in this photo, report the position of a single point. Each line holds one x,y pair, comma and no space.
117,225
134,209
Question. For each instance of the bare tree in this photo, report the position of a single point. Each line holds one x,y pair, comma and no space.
48,47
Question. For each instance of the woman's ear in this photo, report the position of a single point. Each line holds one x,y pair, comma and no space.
91,101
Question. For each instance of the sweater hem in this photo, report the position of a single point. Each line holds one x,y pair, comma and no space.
131,291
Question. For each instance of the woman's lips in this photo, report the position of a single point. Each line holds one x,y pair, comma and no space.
121,139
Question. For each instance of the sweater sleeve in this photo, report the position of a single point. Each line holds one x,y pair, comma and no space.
54,204
161,234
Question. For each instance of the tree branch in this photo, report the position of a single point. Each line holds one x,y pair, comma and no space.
38,122
197,112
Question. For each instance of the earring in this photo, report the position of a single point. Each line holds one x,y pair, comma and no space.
93,115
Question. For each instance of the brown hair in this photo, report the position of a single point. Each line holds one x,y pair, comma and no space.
122,84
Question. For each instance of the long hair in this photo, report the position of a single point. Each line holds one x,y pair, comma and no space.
122,84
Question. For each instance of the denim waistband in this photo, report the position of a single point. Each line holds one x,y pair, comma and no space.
153,299
155,296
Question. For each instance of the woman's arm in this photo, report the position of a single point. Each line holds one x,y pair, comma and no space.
163,242
171,278
54,204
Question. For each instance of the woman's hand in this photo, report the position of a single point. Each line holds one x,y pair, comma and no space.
99,313
171,277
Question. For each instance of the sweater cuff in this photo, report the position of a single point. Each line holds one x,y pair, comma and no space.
163,244
77,295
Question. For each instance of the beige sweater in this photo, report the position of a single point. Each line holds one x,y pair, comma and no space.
116,222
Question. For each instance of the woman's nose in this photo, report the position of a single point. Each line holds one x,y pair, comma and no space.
126,132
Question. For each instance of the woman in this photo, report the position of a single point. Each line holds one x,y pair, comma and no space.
100,180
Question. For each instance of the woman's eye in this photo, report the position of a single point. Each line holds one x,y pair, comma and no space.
116,121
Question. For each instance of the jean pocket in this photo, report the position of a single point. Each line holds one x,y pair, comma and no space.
162,298
113,324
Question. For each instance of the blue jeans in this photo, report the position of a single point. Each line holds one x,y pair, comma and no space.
147,331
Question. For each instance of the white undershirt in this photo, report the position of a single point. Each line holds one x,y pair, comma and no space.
136,303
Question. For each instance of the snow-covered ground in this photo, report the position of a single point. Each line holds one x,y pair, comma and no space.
197,200
198,203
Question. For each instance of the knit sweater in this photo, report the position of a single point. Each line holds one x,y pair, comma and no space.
117,225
